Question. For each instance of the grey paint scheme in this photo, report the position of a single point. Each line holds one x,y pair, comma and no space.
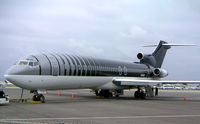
62,71
62,65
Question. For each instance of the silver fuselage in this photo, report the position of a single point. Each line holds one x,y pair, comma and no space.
62,71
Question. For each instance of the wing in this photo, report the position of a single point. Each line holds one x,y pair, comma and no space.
146,82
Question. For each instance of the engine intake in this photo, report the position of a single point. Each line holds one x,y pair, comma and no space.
160,72
140,56
146,59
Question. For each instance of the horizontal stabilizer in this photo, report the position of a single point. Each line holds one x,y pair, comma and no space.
157,57
171,45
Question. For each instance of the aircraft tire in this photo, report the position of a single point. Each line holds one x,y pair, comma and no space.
105,93
42,98
35,98
116,96
137,94
142,95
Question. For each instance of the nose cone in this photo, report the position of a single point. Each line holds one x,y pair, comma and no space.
13,73
14,70
14,79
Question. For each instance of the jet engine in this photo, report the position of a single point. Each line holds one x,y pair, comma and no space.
160,72
147,59
142,56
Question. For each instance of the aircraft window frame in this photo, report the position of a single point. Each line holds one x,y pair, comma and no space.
23,62
31,64
27,62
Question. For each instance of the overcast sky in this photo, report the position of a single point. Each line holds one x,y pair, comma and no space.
114,29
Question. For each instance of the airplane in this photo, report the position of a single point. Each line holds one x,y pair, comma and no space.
106,77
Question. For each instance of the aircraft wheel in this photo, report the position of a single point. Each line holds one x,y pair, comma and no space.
110,94
39,97
137,94
105,93
42,98
35,98
116,96
142,95
97,93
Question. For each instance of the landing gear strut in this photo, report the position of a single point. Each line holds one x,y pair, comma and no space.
140,94
38,97
104,93
156,92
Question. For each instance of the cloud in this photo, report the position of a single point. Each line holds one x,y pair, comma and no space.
135,32
106,29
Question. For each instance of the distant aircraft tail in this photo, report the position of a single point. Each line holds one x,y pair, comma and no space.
157,57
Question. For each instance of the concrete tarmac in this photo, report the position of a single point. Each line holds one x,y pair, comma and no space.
170,107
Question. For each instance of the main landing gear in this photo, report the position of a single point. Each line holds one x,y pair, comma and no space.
38,97
104,93
140,94
146,92
109,93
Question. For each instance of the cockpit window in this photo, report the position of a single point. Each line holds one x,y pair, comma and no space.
30,64
33,64
23,63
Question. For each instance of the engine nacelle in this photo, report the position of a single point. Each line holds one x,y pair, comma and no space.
147,59
160,72
141,56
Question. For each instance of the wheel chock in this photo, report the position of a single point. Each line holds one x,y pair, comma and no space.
36,102
100,97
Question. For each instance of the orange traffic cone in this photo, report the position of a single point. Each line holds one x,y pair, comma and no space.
59,93
73,95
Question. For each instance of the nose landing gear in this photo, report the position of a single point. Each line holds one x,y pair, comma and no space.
38,97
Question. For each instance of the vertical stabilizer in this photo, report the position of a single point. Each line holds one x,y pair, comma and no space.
160,52
157,57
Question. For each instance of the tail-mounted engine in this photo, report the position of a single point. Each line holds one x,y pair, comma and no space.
158,72
150,60
147,59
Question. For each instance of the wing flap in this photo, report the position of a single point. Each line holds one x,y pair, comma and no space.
135,82
146,82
